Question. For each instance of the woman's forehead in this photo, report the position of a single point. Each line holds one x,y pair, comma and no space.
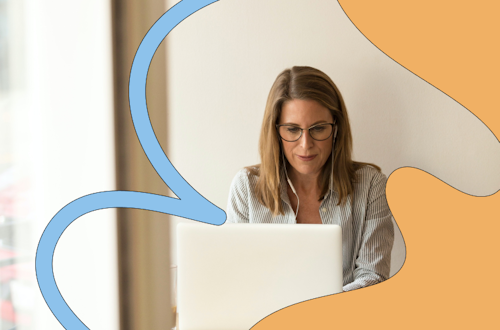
304,112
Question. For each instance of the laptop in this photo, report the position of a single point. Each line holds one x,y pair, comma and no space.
232,276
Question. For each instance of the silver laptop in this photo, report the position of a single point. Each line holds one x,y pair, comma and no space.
232,276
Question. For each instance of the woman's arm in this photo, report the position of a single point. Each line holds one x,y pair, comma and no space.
237,205
373,263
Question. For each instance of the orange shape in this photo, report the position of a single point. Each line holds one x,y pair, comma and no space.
453,45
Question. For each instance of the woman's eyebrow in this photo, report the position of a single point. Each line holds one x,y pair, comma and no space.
318,122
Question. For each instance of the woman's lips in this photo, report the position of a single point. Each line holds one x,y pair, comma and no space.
306,159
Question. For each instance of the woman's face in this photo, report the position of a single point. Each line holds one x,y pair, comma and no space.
306,156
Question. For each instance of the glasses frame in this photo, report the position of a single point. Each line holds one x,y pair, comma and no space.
302,131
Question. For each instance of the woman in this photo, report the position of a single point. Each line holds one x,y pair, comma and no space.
307,175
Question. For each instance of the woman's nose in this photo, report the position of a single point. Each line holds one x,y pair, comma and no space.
306,140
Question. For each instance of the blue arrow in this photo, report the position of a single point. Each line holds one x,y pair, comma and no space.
190,204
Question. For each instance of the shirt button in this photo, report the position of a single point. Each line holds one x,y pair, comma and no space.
323,209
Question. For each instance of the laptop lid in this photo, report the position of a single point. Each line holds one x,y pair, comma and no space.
232,276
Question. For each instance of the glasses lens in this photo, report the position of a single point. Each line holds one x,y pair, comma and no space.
321,132
289,133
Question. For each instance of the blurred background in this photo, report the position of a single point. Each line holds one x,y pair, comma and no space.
66,131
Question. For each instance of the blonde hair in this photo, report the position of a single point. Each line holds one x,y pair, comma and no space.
304,83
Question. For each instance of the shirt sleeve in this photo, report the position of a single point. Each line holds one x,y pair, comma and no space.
237,205
373,263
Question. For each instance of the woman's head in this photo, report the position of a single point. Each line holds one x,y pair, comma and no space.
304,96
306,129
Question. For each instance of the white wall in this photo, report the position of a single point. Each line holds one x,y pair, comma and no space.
223,60
69,93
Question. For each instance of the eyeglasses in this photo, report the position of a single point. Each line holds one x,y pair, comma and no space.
292,133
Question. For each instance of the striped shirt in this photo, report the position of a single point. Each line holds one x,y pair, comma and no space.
365,219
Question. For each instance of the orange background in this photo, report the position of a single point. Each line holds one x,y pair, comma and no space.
450,276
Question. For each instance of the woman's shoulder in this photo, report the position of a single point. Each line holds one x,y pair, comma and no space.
369,174
243,186
246,176
370,184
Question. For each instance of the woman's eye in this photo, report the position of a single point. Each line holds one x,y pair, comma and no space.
292,129
318,129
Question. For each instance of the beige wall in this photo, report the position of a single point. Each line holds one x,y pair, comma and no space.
223,60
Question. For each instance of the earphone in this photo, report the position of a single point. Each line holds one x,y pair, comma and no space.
291,185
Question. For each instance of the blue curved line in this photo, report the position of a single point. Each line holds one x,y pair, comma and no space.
137,93
190,203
